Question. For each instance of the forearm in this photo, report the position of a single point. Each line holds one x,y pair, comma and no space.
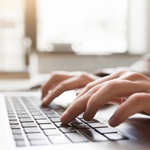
142,66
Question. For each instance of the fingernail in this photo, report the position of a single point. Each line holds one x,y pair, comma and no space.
113,121
64,118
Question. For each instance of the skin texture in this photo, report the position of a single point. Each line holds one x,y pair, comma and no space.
63,81
129,89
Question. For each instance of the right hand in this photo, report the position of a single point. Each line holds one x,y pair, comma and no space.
60,82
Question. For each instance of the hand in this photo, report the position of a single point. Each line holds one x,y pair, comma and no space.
130,89
60,82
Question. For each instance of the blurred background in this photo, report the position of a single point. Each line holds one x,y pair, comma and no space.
39,36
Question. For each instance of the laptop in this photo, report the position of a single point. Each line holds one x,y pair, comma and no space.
25,125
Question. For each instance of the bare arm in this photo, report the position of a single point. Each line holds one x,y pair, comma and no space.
141,66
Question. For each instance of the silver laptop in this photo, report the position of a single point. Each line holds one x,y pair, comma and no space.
25,125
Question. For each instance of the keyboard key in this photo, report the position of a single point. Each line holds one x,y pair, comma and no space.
32,109
15,126
32,124
20,143
16,131
40,117
13,122
32,130
26,120
18,137
67,129
52,132
23,116
20,112
76,121
106,130
35,136
43,121
55,119
81,126
115,136
36,113
11,115
48,111
76,137
92,121
93,135
60,111
47,126
59,139
10,111
53,116
59,124
12,119
39,142
97,125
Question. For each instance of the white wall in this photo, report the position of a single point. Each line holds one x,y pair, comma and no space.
138,39
139,26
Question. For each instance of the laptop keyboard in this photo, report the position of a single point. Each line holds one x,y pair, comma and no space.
33,126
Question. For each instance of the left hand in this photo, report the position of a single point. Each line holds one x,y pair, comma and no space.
60,82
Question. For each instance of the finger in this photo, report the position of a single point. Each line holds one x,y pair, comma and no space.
133,76
102,80
77,107
135,103
114,88
55,78
69,84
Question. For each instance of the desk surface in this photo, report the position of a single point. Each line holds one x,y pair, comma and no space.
23,84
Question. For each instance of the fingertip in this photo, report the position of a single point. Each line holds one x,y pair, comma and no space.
113,121
87,116
42,96
44,102
65,117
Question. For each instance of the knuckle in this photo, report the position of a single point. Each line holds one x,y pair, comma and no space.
92,101
132,75
141,100
83,75
62,84
53,74
76,105
89,86
95,88
121,71
112,85
137,98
